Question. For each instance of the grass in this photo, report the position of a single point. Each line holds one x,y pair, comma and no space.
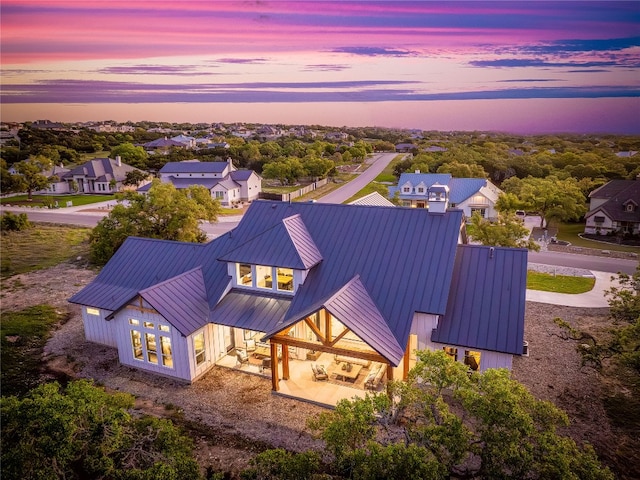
379,183
547,282
40,247
42,200
569,232
22,337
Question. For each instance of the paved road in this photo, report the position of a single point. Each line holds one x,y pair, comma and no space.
588,262
377,164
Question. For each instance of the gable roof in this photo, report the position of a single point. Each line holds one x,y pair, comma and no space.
286,244
459,188
194,167
182,300
101,169
250,310
619,194
373,199
487,300
242,175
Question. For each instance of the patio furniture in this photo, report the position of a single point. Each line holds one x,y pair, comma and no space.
319,372
353,361
375,376
241,356
266,364
250,345
313,355
346,375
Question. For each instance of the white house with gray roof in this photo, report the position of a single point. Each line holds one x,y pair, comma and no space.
228,185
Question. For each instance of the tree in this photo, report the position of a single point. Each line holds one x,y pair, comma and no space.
551,197
448,424
462,170
131,155
134,177
288,171
506,231
84,432
30,174
164,212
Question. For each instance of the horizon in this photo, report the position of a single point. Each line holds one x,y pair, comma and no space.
513,67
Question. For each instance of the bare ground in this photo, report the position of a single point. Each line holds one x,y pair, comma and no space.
235,415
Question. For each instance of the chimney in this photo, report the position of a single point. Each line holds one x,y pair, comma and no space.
118,160
417,171
438,198
230,162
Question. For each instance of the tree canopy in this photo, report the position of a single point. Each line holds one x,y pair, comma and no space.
164,212
30,176
444,423
506,231
131,155
83,432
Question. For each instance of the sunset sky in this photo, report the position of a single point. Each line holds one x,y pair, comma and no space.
526,67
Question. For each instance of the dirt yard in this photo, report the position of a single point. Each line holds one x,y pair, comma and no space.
235,415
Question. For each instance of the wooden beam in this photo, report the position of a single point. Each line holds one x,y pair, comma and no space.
405,361
389,373
294,342
274,367
313,327
285,362
337,339
327,323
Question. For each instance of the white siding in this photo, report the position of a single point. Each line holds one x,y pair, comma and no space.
198,370
422,326
179,346
97,329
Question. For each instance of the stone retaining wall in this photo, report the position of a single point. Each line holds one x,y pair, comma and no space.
592,251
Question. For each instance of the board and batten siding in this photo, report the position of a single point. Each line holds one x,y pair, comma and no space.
210,356
422,326
96,328
181,354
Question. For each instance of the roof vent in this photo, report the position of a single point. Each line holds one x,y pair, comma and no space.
491,250
525,348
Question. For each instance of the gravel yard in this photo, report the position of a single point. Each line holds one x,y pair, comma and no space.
236,413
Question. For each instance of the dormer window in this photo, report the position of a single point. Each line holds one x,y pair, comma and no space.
420,189
244,274
629,207
406,189
262,277
285,279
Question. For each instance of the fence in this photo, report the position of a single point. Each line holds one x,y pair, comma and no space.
286,197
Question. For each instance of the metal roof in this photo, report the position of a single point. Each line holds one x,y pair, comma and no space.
186,182
250,311
459,188
403,256
101,167
373,199
287,244
242,175
487,300
182,300
194,167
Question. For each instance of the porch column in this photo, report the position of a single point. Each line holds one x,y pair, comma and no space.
405,362
285,362
389,372
274,367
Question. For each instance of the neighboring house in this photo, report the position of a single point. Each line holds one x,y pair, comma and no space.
99,175
185,140
373,199
405,147
468,194
293,281
61,184
225,183
162,145
614,207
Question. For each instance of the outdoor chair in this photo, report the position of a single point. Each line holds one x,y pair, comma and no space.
266,364
242,357
319,372
250,344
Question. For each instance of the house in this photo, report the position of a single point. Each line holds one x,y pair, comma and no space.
60,184
185,140
162,145
468,194
405,147
614,207
99,175
225,183
295,285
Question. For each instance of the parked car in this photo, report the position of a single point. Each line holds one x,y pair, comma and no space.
521,214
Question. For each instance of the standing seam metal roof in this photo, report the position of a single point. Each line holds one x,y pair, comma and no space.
487,300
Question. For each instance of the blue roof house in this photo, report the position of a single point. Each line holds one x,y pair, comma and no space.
356,288
467,194
225,183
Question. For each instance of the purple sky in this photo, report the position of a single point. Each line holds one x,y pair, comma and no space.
526,67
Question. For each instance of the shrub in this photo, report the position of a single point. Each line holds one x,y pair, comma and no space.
11,222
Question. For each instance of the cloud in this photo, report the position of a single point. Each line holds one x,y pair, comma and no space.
86,91
374,51
537,62
241,61
518,80
326,68
584,45
153,70
599,70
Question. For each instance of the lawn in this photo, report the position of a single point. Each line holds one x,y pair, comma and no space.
548,282
40,247
45,200
379,183
22,337
569,232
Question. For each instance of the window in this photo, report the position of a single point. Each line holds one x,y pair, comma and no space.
598,219
406,189
164,328
133,321
420,189
472,359
152,348
406,203
165,349
481,211
244,274
630,207
93,311
136,343
148,325
421,205
198,347
219,195
263,277
285,279
452,352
